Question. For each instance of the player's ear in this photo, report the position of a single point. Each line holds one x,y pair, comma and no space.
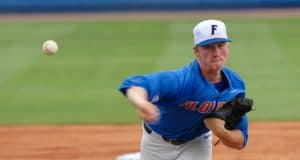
196,51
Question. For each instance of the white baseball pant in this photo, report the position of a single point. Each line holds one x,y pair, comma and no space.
153,147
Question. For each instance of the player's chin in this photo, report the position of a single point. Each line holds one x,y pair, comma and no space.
217,67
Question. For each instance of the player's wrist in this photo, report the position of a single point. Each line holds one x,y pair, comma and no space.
216,125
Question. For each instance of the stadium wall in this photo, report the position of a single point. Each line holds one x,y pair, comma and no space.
7,6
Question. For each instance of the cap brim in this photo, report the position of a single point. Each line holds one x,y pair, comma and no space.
211,41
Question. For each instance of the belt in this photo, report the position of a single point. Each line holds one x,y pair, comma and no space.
173,141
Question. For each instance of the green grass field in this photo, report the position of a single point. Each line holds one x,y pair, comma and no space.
80,84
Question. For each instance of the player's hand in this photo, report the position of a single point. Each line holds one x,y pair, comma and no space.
138,97
149,112
232,111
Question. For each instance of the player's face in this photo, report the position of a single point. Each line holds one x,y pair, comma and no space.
212,57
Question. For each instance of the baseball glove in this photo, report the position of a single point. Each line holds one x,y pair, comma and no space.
232,111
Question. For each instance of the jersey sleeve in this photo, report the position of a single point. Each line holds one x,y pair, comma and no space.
160,85
243,127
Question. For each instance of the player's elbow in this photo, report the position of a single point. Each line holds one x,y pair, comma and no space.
234,141
237,146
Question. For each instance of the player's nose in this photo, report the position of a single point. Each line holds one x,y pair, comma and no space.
215,51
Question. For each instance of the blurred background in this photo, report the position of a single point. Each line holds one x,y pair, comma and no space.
30,6
101,42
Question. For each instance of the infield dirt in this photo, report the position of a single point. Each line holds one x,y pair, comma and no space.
267,141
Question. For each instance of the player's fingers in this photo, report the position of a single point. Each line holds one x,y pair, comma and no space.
149,117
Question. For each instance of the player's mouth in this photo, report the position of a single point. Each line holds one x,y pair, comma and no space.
216,60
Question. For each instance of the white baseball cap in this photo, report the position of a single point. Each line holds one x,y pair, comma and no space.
210,31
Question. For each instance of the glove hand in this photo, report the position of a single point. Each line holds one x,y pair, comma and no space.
232,111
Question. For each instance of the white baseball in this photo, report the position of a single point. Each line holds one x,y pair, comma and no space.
50,47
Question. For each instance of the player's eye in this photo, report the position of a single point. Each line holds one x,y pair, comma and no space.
208,46
221,44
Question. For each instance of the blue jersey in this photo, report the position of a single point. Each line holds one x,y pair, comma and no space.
184,98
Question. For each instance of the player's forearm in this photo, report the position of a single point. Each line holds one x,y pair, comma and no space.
232,138
137,96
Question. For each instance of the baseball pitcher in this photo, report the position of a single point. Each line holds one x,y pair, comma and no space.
181,108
